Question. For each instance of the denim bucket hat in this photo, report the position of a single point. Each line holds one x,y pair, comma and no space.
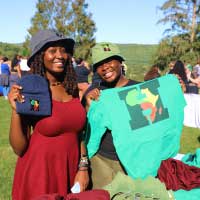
43,38
36,94
103,51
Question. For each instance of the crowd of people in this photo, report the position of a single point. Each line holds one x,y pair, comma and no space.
53,150
188,75
11,71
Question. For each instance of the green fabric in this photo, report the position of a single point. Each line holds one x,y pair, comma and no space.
148,189
187,195
106,167
194,194
192,159
146,121
104,50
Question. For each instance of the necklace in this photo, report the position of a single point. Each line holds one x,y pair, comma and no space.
56,83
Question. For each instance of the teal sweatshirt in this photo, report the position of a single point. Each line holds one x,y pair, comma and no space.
146,121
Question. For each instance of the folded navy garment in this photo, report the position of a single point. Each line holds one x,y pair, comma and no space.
36,94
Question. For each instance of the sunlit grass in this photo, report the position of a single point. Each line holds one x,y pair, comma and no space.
8,158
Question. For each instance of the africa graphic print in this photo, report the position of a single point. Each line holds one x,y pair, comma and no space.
145,101
145,121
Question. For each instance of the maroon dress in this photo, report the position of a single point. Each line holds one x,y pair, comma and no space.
50,163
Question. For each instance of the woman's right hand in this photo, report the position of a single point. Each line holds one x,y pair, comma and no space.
93,95
15,95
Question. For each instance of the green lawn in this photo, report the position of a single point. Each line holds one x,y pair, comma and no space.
8,158
190,140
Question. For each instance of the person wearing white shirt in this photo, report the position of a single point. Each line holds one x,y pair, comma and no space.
23,66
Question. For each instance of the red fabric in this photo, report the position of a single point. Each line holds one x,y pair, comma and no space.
90,195
49,197
87,195
50,163
178,175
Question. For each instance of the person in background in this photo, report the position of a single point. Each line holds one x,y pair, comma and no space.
196,69
170,66
5,74
25,69
1,60
152,73
179,71
74,64
96,79
194,83
15,70
1,87
82,71
107,63
52,158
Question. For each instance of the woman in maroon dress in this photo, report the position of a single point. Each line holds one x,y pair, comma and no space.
49,156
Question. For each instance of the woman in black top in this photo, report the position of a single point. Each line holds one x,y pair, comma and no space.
107,63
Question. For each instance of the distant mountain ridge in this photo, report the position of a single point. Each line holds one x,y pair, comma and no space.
10,49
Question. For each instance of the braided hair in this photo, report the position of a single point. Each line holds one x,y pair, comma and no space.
70,79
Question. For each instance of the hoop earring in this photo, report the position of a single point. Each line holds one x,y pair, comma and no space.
122,70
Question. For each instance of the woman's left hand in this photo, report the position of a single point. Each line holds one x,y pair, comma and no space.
83,178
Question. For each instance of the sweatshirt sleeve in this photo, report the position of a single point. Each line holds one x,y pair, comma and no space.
96,126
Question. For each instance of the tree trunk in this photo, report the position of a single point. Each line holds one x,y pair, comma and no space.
193,27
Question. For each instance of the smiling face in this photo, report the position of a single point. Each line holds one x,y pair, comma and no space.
55,58
110,70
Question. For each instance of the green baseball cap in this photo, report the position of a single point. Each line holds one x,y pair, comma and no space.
103,51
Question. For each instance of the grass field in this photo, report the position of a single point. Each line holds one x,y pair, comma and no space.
190,140
7,157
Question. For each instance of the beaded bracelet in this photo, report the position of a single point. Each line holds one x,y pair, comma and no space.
84,159
83,162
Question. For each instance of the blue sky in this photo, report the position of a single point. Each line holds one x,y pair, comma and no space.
118,21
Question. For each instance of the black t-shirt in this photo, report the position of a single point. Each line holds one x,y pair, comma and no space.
107,148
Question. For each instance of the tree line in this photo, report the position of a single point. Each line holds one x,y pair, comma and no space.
182,38
71,18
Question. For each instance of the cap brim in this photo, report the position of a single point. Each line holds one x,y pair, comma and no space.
115,57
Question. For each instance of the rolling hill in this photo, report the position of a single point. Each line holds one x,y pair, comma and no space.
138,56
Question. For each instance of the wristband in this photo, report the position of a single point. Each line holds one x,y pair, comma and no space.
83,162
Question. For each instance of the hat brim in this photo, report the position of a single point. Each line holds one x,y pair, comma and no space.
68,42
114,57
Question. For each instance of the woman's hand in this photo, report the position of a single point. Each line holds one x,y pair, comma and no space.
93,95
83,178
15,95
